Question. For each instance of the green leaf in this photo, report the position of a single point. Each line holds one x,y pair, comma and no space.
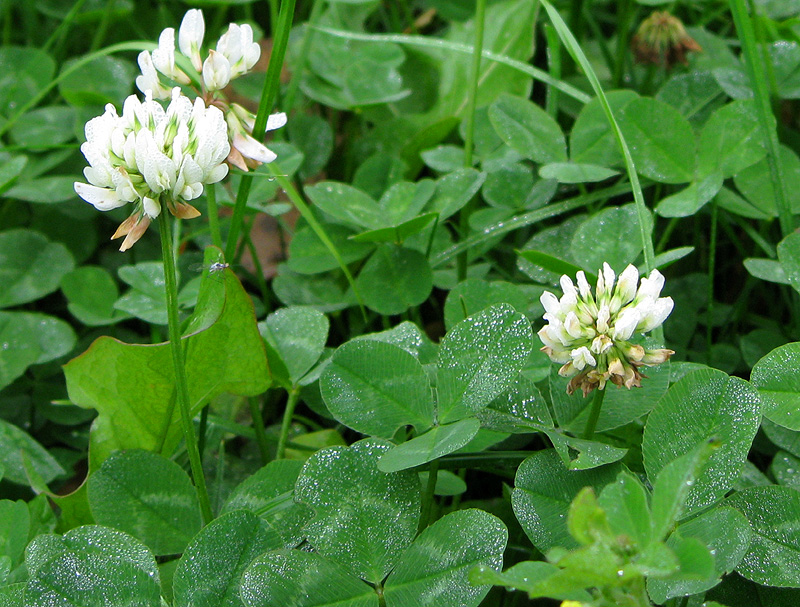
434,571
148,497
702,405
776,379
755,183
30,266
375,387
313,135
298,335
395,279
626,504
10,170
582,454
784,469
528,576
210,571
555,264
770,270
661,141
473,295
45,127
544,489
731,140
672,485
410,338
574,172
508,186
454,191
24,72
789,258
725,532
293,578
586,520
309,255
47,190
444,158
396,234
592,244
349,205
364,518
774,514
88,566
435,443
101,80
31,339
91,293
479,359
528,129
269,493
404,200
692,198
591,140
224,353
521,409
15,522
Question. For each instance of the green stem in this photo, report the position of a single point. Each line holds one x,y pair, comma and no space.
755,71
268,97
182,386
624,14
258,428
286,424
712,259
554,65
302,58
213,215
594,413
427,498
469,135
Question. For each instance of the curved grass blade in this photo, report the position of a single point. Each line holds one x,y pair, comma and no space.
580,58
306,213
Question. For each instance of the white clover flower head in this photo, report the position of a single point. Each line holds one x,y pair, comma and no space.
236,53
589,334
152,157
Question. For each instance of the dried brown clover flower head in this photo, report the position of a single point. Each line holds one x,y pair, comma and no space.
662,40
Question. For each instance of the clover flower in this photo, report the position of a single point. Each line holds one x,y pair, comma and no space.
661,39
589,333
150,156
236,53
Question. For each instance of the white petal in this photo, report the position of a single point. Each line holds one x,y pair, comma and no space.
216,71
625,324
583,285
627,284
582,357
251,148
276,121
656,314
151,207
101,198
651,286
550,303
190,36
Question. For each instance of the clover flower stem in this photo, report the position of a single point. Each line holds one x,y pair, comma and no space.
213,216
426,514
258,427
594,413
288,414
269,95
171,282
469,135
